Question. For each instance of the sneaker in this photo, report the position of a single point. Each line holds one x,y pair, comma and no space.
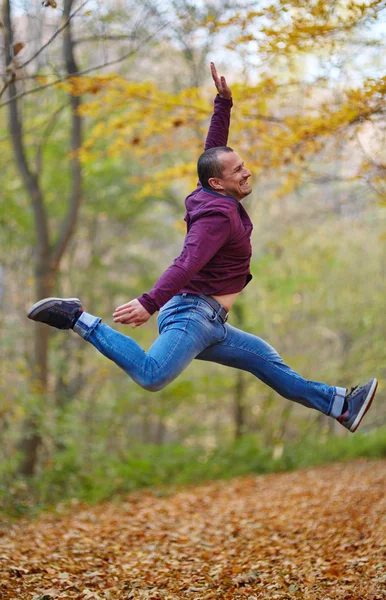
359,401
61,313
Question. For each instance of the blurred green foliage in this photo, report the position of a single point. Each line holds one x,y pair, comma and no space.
165,468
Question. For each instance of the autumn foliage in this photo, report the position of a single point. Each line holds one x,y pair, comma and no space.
283,124
317,534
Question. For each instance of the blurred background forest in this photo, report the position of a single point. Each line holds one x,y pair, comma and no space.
104,110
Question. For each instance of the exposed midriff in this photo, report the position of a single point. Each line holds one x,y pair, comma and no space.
227,300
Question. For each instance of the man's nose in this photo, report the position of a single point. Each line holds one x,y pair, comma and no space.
247,172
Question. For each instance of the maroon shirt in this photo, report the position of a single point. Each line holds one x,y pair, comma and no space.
217,251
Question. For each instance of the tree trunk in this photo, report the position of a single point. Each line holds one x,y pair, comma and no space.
31,439
239,389
239,405
47,256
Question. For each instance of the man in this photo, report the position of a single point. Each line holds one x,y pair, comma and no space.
195,294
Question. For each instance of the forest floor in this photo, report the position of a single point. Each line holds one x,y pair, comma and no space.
317,534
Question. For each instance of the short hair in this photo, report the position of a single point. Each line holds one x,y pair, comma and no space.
209,165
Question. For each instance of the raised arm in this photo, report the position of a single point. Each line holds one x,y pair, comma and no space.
220,121
203,239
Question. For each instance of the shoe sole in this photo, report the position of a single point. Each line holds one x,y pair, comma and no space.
47,303
365,407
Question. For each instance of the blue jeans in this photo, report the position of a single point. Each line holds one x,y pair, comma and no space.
191,328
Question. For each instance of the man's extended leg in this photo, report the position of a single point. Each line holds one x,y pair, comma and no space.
250,353
185,324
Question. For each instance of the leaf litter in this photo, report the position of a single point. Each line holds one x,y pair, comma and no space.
316,534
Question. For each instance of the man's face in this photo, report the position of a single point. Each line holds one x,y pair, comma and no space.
234,181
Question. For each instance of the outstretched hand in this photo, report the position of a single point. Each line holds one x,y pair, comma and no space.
220,83
131,313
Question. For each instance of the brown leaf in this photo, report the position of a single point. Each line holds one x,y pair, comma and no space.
293,541
17,48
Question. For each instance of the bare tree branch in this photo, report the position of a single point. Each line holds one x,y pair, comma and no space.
98,38
85,71
3,88
10,76
16,129
53,37
380,166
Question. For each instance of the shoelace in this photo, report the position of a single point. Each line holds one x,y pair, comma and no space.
351,391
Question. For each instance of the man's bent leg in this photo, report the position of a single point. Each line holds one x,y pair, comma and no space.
180,340
250,353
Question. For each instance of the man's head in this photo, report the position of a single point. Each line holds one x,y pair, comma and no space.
223,171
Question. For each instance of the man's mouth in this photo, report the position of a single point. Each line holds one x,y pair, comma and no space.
244,183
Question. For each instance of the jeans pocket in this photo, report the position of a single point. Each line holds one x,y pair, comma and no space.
166,317
203,308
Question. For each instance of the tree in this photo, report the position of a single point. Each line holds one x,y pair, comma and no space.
285,121
49,251
53,227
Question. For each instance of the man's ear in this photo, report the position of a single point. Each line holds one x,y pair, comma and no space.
215,184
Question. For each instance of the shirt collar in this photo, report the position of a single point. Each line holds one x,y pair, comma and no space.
209,191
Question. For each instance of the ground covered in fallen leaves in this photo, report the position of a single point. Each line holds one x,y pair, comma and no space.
317,534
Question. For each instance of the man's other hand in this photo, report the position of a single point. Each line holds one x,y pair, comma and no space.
220,83
131,313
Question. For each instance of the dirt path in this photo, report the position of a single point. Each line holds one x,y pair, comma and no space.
318,534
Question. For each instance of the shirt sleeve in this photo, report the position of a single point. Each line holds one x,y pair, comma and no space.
219,124
205,237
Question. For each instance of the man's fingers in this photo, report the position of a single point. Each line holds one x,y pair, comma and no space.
124,307
124,310
124,316
214,73
131,321
129,317
224,83
131,313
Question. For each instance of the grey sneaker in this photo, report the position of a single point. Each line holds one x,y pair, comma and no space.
359,401
61,313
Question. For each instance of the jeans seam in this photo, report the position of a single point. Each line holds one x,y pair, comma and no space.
159,366
304,384
116,350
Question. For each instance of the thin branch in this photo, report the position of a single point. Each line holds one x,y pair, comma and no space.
53,37
374,188
4,88
46,134
372,43
380,166
325,179
103,38
268,119
89,70
30,130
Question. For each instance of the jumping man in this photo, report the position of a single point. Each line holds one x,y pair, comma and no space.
195,294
